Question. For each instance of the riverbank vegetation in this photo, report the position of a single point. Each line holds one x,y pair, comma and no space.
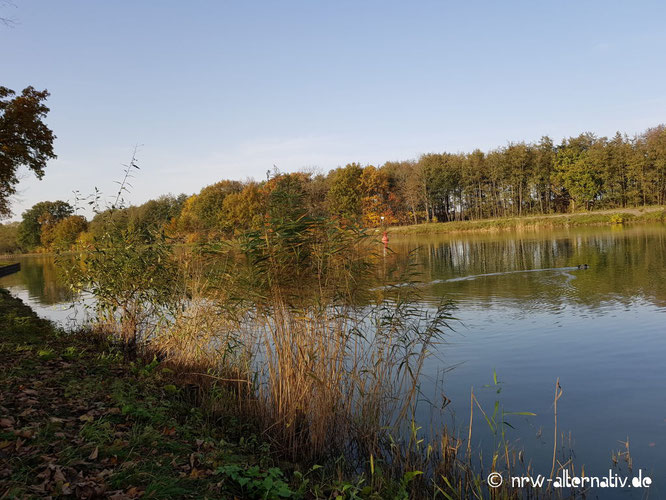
521,179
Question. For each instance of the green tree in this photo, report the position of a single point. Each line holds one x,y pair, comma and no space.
518,159
344,194
39,219
542,172
25,140
655,154
9,238
616,169
440,178
473,179
286,196
577,169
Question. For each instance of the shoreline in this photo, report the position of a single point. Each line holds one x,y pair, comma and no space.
592,218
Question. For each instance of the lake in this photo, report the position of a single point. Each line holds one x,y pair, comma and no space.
526,312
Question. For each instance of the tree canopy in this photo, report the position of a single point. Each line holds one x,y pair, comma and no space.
25,140
39,220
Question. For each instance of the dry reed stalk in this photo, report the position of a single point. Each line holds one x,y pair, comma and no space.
558,394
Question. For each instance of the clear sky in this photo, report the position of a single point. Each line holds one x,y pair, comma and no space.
227,89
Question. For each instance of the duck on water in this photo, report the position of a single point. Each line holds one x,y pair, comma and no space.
582,266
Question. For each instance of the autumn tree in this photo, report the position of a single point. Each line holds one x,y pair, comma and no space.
375,201
202,213
244,210
39,220
25,140
65,233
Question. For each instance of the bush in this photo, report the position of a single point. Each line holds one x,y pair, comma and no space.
134,280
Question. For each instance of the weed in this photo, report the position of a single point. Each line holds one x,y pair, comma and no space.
252,481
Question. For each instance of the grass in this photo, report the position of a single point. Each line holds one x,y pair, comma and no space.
605,217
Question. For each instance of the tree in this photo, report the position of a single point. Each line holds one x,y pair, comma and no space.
406,196
7,21
518,162
202,213
578,169
344,194
286,196
375,200
8,238
615,170
39,219
25,140
655,149
244,210
154,215
543,171
65,233
440,176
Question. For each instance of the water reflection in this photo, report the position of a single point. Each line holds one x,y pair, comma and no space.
40,284
623,264
40,278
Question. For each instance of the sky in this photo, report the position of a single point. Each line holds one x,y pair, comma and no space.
229,89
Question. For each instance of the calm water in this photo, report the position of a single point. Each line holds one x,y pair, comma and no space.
602,331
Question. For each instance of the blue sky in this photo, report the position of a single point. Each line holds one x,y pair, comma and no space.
221,89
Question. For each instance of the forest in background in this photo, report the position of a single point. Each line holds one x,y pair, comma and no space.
581,173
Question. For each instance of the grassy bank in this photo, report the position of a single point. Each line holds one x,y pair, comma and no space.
77,420
599,218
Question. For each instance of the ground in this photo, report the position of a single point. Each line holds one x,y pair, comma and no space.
78,421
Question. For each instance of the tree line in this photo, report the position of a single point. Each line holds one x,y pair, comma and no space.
583,172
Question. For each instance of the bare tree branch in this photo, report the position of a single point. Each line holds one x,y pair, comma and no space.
9,22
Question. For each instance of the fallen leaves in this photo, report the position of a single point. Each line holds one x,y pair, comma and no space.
6,422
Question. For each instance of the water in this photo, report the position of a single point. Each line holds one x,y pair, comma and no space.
40,285
526,311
